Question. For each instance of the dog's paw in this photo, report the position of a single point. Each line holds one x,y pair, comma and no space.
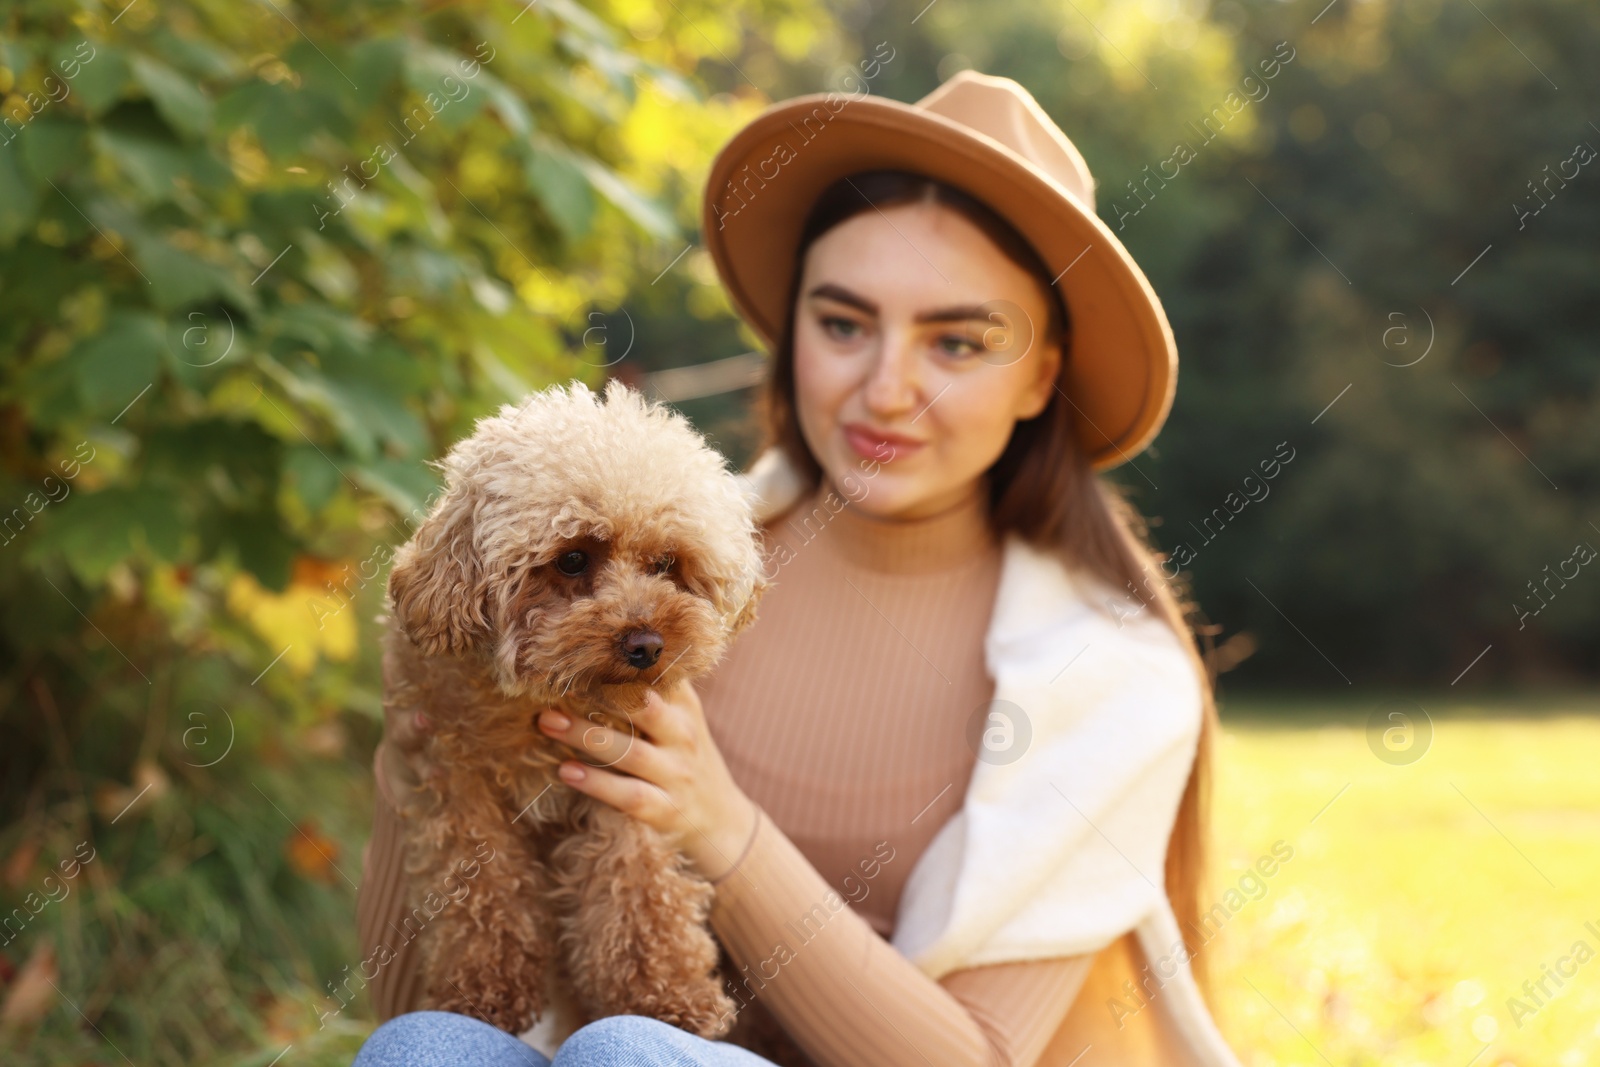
504,1007
705,1011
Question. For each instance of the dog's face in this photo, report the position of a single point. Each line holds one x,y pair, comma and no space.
580,544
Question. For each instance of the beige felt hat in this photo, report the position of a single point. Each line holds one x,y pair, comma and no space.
989,137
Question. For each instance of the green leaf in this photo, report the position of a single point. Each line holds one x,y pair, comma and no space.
261,546
93,533
197,56
237,461
408,486
375,64
18,197
324,77
438,76
580,18
563,190
313,477
184,105
119,363
323,329
101,77
178,278
96,531
283,118
206,341
313,391
382,415
51,146
150,163
49,392
513,112
649,216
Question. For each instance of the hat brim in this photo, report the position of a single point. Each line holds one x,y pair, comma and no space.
1123,367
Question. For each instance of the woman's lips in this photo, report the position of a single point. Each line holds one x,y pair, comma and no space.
882,447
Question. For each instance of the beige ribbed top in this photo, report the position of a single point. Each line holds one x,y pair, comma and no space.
843,713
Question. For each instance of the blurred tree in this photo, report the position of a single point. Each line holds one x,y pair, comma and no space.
258,264
1312,239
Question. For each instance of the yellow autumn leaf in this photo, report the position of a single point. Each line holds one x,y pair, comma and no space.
306,620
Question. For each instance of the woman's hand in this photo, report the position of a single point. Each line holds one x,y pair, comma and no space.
402,764
666,772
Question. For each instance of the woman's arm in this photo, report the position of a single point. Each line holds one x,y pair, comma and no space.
384,922
844,994
849,998
381,911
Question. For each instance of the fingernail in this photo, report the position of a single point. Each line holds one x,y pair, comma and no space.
570,772
554,720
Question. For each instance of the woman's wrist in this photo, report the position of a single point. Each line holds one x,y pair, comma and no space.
716,850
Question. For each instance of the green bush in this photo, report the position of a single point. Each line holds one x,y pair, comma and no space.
258,264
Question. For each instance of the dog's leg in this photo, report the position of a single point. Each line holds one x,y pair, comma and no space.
633,926
489,944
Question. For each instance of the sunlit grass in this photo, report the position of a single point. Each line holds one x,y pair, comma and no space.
1420,896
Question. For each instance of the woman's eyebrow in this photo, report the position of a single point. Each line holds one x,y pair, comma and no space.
830,291
957,313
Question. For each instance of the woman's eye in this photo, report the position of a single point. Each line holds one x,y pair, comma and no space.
662,565
573,563
954,344
841,329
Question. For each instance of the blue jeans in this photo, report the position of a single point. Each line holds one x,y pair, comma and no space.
444,1039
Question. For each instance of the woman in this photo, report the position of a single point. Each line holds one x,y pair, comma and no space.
937,782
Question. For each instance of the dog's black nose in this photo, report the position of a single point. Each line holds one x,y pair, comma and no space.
641,648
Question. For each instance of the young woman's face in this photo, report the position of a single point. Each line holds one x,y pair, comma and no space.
916,350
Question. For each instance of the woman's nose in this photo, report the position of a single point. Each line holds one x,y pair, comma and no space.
894,382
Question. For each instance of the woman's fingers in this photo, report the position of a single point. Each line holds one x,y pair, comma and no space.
603,746
409,730
668,718
632,796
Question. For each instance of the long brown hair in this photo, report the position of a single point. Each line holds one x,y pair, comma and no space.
1042,487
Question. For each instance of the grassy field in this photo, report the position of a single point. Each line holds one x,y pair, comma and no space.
1424,889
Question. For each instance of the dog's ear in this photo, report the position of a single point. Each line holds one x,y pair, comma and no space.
747,611
437,585
746,616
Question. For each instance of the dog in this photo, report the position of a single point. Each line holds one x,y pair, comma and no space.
582,552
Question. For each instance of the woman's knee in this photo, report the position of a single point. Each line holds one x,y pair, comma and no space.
626,1041
443,1039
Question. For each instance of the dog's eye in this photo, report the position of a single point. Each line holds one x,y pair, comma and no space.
572,563
663,565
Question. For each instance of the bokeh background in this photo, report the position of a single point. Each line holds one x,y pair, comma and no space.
259,262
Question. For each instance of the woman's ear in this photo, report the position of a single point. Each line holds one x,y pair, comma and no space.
437,586
1043,385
